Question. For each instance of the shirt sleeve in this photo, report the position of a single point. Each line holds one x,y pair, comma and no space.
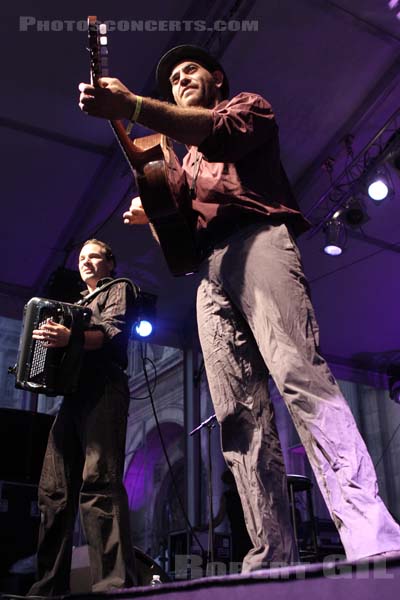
239,127
115,312
114,317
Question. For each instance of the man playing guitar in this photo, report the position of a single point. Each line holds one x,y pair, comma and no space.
254,313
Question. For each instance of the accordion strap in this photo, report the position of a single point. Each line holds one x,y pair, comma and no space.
135,289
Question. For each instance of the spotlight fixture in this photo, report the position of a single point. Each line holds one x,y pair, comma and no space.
379,186
353,213
144,328
335,237
146,315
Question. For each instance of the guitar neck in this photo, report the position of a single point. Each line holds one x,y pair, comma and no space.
160,180
137,152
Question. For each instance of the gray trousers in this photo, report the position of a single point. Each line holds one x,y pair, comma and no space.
254,317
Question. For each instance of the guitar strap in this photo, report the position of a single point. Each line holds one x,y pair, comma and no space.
195,174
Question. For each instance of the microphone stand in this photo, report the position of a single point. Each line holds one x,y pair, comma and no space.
209,423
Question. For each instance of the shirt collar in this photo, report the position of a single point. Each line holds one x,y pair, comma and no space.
98,284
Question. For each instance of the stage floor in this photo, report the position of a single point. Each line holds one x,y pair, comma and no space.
370,579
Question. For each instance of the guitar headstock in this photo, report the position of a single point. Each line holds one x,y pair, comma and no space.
97,34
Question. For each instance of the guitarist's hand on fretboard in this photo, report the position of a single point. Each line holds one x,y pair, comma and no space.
135,215
109,98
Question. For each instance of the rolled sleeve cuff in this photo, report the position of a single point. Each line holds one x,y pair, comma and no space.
239,127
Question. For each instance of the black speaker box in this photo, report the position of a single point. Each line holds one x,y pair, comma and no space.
19,522
23,441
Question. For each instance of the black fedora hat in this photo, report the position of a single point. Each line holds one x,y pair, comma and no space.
179,54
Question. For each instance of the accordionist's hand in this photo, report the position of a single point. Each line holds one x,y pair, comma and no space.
52,334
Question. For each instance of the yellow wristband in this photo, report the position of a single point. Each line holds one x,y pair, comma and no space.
134,117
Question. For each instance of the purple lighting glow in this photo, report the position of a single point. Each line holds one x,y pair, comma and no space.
139,478
332,250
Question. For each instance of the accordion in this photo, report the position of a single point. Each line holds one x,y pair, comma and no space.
50,371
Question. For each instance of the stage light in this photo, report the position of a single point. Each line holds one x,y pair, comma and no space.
144,328
353,213
370,172
335,237
379,185
378,189
145,315
379,182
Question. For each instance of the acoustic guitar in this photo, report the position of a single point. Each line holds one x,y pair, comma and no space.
159,176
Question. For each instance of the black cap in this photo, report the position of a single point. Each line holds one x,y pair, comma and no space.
180,54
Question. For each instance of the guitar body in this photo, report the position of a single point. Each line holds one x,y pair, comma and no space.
163,190
159,177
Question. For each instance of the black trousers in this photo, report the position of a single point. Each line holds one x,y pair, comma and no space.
83,467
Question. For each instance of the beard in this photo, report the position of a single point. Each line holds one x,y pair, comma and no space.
204,96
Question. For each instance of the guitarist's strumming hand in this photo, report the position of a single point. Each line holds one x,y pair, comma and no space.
135,215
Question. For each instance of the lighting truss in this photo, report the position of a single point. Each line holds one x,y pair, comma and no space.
351,182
